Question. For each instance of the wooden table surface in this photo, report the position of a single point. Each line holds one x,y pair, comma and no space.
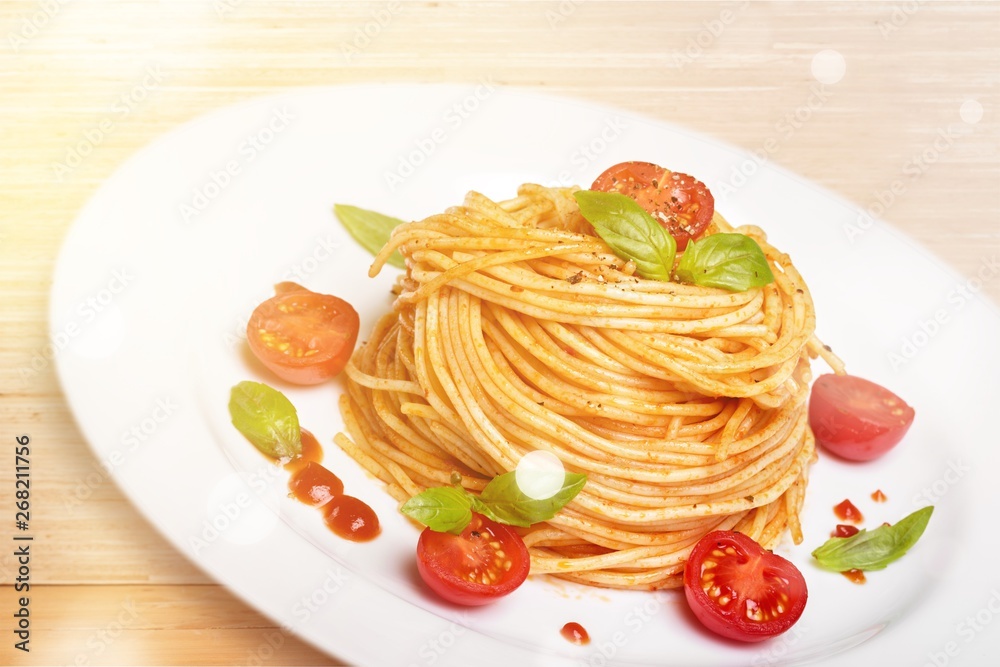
892,105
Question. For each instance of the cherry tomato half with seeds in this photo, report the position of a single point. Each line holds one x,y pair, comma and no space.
301,336
485,562
855,418
681,203
739,590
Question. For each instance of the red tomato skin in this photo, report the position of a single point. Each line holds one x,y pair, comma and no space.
850,417
734,625
458,590
340,334
682,204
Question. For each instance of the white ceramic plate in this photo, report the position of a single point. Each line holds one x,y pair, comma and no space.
161,269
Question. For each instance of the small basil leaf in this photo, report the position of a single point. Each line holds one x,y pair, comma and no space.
370,229
266,418
442,508
630,232
873,549
503,501
484,509
731,261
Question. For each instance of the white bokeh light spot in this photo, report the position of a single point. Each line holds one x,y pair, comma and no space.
971,111
828,66
539,475
237,513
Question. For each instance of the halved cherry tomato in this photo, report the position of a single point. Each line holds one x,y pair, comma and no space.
739,590
855,418
487,561
681,203
301,336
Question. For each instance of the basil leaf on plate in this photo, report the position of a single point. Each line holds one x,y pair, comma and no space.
731,261
266,418
502,500
370,229
446,509
630,232
873,549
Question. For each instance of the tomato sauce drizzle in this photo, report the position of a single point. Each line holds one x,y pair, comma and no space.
313,484
312,452
844,530
352,519
575,633
846,511
878,496
855,576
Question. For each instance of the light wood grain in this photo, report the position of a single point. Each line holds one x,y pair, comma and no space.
161,625
907,77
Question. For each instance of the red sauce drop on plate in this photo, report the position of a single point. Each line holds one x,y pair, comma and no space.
878,496
352,519
844,530
846,511
312,451
575,634
855,576
314,485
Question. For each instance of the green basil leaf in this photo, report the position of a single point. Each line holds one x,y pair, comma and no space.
630,232
731,261
445,509
267,419
874,549
503,501
370,229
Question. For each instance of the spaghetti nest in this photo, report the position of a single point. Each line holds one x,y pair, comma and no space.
516,329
